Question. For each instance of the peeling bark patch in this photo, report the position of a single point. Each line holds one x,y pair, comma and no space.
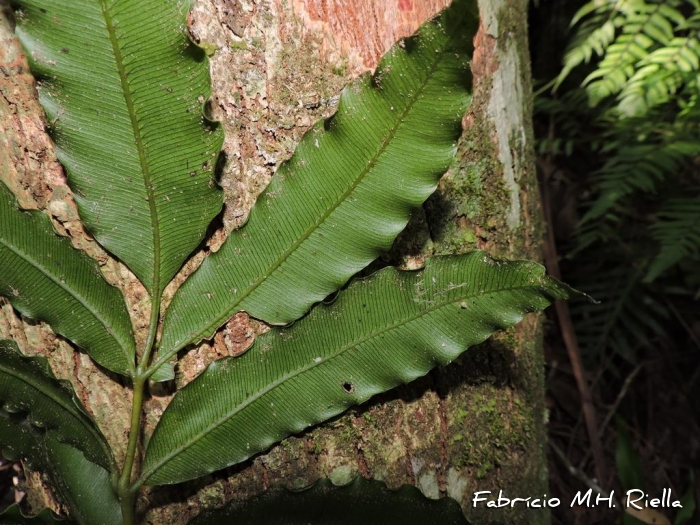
428,484
505,110
484,62
506,103
236,337
363,30
457,485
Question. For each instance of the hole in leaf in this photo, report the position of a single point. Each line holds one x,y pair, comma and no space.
348,387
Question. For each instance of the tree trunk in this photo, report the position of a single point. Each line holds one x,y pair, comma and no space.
277,66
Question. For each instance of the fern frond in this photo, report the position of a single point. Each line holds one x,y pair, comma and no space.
677,232
639,167
645,89
602,231
593,37
594,7
638,36
568,114
648,51
625,319
660,76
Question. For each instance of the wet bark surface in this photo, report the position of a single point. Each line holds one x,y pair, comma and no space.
277,67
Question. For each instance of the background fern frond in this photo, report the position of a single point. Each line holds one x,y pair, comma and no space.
619,145
648,51
599,23
639,167
661,75
678,234
627,317
640,31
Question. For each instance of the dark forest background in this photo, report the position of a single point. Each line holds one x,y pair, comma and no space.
617,120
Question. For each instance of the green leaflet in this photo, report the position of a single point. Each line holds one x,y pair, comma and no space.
165,372
33,403
380,332
42,423
123,88
347,192
20,440
13,516
361,501
84,486
45,278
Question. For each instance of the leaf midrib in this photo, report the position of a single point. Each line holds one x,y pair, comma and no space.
156,285
112,331
343,197
258,395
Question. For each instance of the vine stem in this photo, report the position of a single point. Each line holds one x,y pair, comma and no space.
127,497
142,368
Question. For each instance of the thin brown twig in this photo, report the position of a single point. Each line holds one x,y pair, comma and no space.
567,330
620,396
682,321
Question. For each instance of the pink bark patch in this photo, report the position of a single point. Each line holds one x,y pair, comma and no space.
405,5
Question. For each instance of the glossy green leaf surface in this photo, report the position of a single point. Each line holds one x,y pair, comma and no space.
45,278
123,89
361,501
380,332
347,192
13,515
83,486
33,402
20,440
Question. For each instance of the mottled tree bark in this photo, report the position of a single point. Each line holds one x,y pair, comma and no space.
277,66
